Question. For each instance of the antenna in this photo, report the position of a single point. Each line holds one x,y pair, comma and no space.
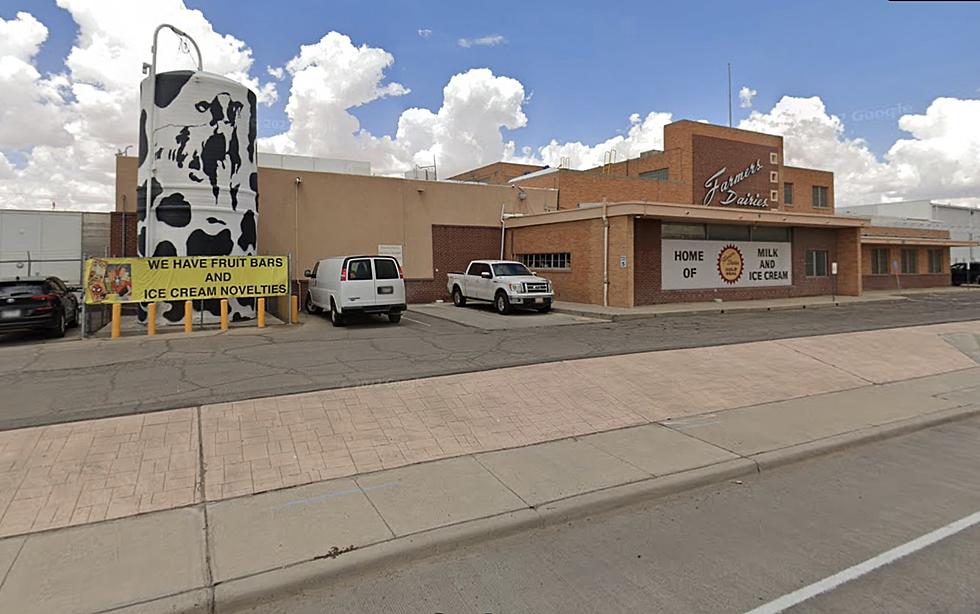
729,94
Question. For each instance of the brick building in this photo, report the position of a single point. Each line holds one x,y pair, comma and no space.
715,215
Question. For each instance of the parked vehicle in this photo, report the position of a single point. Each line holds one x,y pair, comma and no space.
37,304
965,273
356,284
505,283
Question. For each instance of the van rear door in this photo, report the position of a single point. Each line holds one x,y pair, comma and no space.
388,284
358,289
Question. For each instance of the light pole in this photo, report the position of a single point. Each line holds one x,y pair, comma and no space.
151,128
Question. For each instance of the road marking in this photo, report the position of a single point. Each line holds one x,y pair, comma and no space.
416,321
852,573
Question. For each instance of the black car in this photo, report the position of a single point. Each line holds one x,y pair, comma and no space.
37,304
965,273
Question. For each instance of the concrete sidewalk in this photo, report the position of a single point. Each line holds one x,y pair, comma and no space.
805,302
235,552
214,498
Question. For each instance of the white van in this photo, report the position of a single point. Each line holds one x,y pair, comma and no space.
356,284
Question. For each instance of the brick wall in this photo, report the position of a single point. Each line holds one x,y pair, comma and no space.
452,249
582,239
122,234
922,279
803,180
888,282
647,270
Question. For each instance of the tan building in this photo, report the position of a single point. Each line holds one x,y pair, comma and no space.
716,215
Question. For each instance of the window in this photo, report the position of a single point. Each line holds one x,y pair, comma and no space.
682,231
880,261
773,157
935,261
909,264
561,260
509,269
359,270
788,193
478,268
770,233
661,174
816,263
773,177
386,268
728,232
820,197
774,196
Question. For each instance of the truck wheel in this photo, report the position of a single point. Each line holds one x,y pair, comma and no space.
336,318
458,299
502,304
394,318
311,308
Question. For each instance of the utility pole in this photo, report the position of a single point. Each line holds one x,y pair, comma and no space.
729,94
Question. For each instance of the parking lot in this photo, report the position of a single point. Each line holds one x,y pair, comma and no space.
55,382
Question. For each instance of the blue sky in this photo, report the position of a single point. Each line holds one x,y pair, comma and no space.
591,64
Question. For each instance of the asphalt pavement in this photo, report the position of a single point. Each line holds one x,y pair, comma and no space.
72,380
890,527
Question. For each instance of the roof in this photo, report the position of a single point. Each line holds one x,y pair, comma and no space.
688,213
541,173
935,242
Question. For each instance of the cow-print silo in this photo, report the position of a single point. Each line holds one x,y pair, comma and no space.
203,198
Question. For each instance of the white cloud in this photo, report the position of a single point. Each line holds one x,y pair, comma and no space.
745,96
425,32
277,73
484,41
69,125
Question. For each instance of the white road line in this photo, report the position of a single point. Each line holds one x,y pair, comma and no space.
416,321
851,573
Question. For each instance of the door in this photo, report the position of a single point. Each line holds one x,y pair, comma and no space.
479,286
358,291
388,285
316,286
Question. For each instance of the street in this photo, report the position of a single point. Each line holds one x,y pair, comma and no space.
74,380
726,548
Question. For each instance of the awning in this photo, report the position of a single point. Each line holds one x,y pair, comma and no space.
922,241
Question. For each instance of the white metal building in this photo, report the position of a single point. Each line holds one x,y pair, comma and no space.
962,222
40,242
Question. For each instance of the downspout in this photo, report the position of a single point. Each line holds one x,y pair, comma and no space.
503,229
605,255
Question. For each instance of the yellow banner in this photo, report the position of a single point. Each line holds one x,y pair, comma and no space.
149,280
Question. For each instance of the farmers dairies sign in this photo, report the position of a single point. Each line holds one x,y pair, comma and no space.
688,265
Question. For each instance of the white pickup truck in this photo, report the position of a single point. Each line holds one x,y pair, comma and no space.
505,283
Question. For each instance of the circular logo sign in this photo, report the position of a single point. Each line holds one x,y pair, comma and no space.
730,264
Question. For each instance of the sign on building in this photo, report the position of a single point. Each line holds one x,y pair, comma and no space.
688,265
148,280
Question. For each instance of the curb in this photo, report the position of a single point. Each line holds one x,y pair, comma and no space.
720,309
268,586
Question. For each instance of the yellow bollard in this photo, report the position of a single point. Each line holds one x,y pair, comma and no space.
188,316
261,312
151,319
293,308
224,314
116,320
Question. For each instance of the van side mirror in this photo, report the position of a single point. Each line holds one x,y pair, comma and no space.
485,275
309,273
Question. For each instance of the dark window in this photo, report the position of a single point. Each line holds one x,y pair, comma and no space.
21,289
316,267
910,265
820,197
770,233
560,260
510,269
386,268
661,174
682,231
935,261
728,232
879,261
478,268
816,263
788,193
359,270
